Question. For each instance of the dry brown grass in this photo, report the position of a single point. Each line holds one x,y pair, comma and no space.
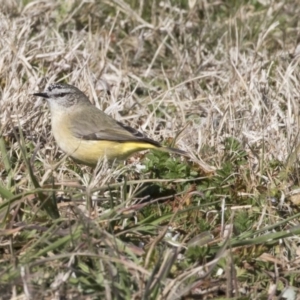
221,71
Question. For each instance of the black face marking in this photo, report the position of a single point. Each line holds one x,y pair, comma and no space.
61,94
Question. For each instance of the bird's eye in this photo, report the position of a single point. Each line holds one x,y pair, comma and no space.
60,94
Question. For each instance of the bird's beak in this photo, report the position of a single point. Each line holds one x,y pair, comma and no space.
43,95
40,101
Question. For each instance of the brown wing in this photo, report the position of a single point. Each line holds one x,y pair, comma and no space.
96,125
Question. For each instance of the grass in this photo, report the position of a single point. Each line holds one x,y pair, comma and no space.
219,80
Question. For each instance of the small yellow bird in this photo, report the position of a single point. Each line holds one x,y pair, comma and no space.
86,133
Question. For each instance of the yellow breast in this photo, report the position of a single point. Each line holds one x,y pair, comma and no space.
90,151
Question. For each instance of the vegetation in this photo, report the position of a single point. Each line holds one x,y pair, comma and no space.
218,79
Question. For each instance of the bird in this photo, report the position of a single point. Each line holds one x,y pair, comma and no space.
87,134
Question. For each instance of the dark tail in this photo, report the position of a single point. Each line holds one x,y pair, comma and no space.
174,150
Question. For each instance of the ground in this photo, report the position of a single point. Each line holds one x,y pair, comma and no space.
217,79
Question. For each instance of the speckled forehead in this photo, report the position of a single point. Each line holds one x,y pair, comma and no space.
55,86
